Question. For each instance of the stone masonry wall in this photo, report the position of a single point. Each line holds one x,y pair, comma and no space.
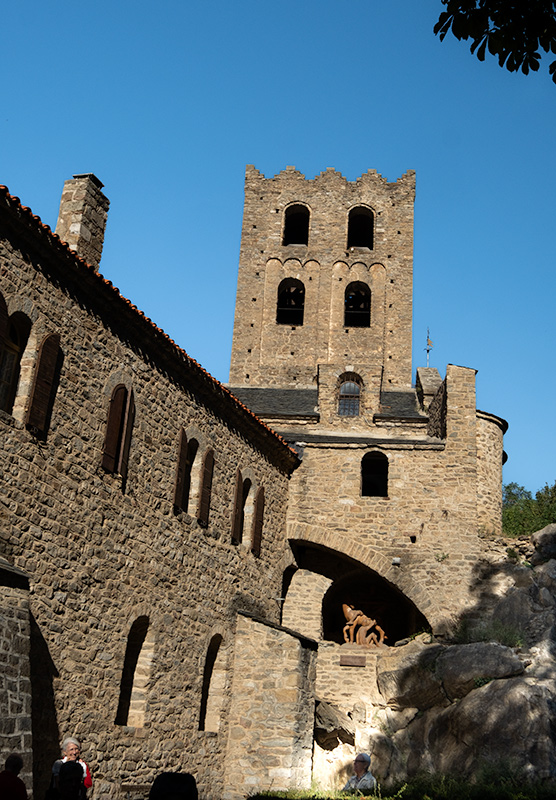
15,686
428,520
302,609
272,714
99,558
490,432
290,354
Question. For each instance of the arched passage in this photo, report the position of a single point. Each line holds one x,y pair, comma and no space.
359,586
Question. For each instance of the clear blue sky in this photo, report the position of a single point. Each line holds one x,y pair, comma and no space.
166,102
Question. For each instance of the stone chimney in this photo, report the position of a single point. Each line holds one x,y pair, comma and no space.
82,218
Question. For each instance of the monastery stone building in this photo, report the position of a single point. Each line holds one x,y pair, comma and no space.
176,553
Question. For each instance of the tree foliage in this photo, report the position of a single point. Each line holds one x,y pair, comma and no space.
515,31
523,514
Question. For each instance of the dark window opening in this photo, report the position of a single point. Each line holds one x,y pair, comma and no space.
135,642
210,661
14,333
291,302
258,518
349,398
296,225
119,426
207,471
186,458
243,487
360,227
45,384
357,308
374,475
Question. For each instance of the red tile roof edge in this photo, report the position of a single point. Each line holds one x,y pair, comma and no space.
57,242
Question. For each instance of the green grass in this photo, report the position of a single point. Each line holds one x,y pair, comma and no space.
492,782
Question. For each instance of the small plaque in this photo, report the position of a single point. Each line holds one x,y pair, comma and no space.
350,660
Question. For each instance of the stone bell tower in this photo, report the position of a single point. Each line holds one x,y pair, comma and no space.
325,279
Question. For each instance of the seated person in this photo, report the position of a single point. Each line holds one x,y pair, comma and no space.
363,782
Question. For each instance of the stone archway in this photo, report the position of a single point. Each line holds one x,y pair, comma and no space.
326,579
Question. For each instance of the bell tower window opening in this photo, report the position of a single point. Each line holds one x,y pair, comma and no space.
291,302
374,475
349,397
357,308
296,225
360,227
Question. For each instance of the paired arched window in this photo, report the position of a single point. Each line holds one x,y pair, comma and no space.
360,227
135,675
374,475
119,426
291,302
357,305
349,396
14,332
193,485
296,225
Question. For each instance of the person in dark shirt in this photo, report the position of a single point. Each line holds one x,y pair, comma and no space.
12,787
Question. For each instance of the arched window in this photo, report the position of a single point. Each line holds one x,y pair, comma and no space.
205,490
374,475
214,684
360,227
14,332
291,302
357,307
296,225
119,426
135,675
243,508
258,519
186,459
349,396
45,382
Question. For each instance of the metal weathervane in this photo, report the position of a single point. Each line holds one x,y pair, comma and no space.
428,348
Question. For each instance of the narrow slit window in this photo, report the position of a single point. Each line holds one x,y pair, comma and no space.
291,302
296,225
357,308
205,491
361,227
135,675
258,519
214,684
187,455
14,333
47,374
119,427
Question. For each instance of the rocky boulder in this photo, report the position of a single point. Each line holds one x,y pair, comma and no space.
464,667
406,676
544,542
505,719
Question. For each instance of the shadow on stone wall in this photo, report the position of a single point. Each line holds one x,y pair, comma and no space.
46,733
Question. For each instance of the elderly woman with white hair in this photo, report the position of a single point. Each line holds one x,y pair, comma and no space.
71,751
363,782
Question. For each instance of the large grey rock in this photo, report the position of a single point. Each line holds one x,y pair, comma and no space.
332,726
463,667
506,720
407,679
544,542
